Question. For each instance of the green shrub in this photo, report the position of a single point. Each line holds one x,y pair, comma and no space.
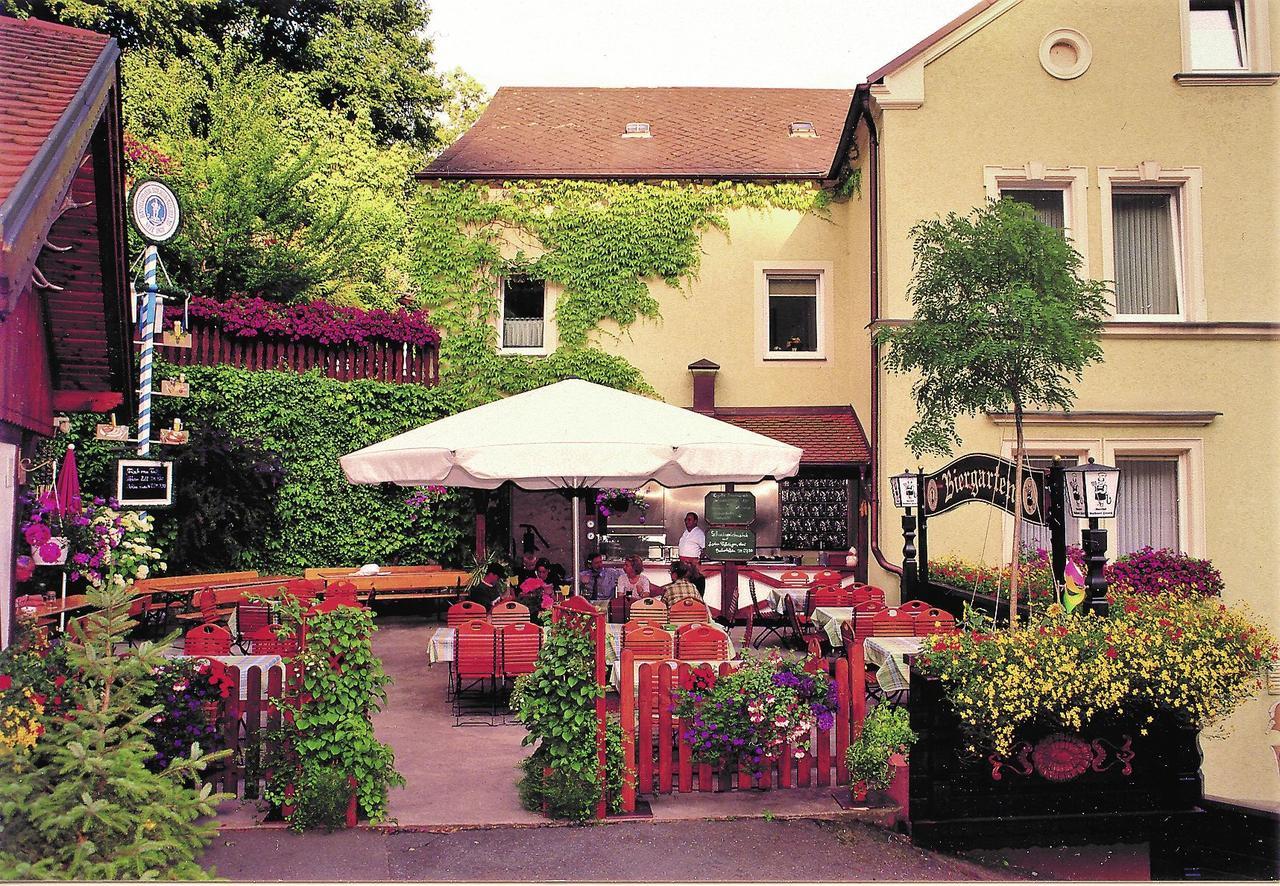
885,732
321,799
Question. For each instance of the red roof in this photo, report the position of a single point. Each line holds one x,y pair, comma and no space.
42,66
827,434
554,132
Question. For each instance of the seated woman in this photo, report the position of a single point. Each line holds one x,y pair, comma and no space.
633,583
537,592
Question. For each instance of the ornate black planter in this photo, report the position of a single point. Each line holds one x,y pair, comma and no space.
1110,784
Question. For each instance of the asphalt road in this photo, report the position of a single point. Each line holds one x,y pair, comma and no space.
751,850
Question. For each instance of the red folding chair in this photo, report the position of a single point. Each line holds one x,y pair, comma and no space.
864,613
935,621
207,639
688,611
803,631
475,662
893,623
701,642
827,577
647,609
827,595
341,593
518,644
465,611
863,593
509,612
770,622
263,641
250,618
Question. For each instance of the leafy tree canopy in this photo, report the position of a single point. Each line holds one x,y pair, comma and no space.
1002,320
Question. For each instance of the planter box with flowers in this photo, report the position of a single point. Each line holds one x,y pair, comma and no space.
1076,729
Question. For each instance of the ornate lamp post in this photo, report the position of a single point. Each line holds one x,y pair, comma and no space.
1092,490
906,495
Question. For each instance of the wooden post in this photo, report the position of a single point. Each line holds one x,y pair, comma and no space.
664,728
644,732
481,501
627,713
685,750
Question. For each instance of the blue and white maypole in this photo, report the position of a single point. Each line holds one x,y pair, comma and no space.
156,216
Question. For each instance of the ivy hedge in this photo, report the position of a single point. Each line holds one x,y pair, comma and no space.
306,421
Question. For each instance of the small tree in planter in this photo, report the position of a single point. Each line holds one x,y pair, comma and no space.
886,733
1002,321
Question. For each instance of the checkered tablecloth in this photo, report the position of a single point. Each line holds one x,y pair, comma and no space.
889,654
829,619
776,596
244,662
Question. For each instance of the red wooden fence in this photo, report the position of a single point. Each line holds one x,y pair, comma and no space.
380,361
660,761
244,725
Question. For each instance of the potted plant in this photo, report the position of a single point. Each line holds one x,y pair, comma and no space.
874,757
619,501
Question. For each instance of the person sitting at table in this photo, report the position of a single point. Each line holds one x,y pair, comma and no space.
597,581
537,592
490,588
632,583
528,566
681,588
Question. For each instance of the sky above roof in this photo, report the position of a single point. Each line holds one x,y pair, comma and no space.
801,43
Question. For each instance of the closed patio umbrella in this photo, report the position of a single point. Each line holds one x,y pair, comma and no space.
573,435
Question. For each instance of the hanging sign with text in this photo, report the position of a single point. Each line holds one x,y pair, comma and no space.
729,508
988,479
729,544
144,483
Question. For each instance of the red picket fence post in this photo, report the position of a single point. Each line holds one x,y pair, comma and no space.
664,728
627,713
843,717
644,739
685,749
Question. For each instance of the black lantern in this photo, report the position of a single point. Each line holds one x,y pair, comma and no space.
1091,491
906,493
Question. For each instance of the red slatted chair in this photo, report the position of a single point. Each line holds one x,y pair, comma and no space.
914,607
821,595
893,623
701,642
871,686
767,622
250,618
341,593
826,578
687,612
264,641
465,611
518,646
648,643
509,612
862,593
207,608
649,610
475,662
794,578
864,613
803,632
935,621
304,590
207,639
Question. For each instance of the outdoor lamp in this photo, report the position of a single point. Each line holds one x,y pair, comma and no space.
1092,490
905,493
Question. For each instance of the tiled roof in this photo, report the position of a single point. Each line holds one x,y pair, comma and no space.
827,434
42,67
554,132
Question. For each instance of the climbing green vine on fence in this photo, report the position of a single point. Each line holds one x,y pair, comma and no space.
601,242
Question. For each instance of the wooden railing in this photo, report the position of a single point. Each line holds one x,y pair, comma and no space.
244,725
379,361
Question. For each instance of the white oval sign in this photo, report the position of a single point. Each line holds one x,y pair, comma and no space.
155,210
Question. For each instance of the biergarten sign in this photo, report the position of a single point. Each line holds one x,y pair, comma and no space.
988,479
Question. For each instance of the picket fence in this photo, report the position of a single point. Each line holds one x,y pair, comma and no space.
379,361
244,724
660,761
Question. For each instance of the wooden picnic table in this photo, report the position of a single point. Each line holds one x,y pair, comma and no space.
436,584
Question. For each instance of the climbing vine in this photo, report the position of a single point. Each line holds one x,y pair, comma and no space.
600,241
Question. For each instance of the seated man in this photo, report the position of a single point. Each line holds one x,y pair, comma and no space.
681,588
488,591
598,582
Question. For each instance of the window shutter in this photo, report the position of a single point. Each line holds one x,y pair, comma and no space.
1147,510
1146,271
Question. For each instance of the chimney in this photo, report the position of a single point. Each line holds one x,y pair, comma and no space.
704,385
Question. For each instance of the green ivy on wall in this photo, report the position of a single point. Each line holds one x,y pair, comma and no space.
600,241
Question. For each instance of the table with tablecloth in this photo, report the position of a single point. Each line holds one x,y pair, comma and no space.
776,597
244,662
889,654
829,619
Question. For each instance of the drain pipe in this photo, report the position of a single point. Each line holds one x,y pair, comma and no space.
874,189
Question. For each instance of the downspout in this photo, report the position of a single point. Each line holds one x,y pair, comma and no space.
873,137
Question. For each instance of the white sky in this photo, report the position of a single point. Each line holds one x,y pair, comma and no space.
803,43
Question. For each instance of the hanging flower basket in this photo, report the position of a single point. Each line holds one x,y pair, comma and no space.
52,552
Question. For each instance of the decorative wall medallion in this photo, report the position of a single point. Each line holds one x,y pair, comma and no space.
1065,53
1062,757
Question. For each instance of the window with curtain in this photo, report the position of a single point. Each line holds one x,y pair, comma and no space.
1035,537
1147,505
1144,233
523,312
793,312
1047,204
1217,35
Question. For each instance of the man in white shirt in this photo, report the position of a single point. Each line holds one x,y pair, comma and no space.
693,540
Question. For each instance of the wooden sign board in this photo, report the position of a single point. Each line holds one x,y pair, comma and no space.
729,544
987,479
144,483
729,508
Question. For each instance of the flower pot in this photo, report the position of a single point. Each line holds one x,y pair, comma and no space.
51,553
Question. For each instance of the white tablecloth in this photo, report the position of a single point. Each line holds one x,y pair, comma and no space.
777,596
889,654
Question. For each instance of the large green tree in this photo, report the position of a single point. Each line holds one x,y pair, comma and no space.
1002,321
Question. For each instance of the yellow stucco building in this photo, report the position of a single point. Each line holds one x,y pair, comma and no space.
1146,131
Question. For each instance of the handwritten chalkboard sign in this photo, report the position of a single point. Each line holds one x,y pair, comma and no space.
814,513
144,483
729,544
729,508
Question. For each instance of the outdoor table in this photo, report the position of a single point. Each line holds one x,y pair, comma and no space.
889,654
830,618
776,597
244,662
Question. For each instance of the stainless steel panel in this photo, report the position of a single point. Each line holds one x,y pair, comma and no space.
767,525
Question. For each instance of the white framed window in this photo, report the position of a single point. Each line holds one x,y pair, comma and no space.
1225,42
523,315
793,308
1058,195
1152,241
1161,497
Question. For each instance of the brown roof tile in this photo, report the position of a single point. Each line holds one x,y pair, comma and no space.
554,132
827,434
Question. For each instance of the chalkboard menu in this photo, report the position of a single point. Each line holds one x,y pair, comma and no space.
141,482
729,508
729,544
815,513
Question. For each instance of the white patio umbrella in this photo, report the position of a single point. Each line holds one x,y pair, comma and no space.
573,435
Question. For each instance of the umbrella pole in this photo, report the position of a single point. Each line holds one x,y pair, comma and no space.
62,617
577,558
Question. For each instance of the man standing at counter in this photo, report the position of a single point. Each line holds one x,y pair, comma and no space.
693,540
